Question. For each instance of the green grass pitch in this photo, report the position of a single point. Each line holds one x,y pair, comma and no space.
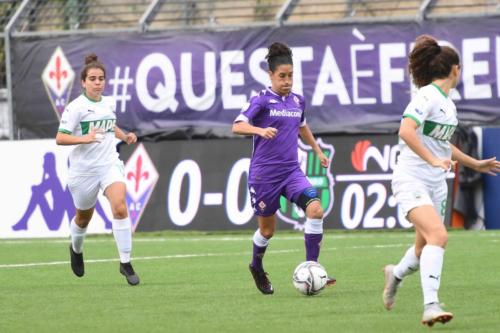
199,282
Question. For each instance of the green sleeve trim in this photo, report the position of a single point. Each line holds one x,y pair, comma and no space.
64,131
412,117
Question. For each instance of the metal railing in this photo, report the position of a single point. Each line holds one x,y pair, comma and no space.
215,13
42,17
308,11
463,8
53,15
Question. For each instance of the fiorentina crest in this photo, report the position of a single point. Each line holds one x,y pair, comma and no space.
141,177
320,178
58,79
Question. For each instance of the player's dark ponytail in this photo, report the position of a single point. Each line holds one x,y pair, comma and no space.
278,54
429,61
91,61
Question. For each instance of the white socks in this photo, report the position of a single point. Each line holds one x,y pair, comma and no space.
431,265
313,226
260,240
122,232
77,236
409,264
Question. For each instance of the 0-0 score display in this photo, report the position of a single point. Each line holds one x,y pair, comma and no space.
361,204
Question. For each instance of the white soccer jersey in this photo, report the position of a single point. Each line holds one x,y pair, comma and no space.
79,117
436,116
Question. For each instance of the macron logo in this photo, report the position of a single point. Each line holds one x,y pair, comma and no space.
285,113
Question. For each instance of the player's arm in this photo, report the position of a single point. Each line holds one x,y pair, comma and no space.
67,139
242,124
244,128
129,138
490,166
308,137
69,121
408,132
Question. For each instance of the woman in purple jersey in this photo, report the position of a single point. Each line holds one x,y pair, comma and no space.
276,118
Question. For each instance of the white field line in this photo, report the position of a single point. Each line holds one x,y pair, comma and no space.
193,255
188,239
240,238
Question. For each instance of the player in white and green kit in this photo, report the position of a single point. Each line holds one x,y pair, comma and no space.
89,122
435,115
419,179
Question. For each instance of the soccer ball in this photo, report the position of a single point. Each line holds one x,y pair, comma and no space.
309,278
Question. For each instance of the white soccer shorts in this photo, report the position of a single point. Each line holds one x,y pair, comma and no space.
410,194
84,188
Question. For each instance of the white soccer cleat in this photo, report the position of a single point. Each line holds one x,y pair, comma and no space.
391,287
433,314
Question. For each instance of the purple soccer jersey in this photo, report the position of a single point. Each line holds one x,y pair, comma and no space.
274,159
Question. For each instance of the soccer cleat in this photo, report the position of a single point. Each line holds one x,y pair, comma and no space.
433,313
76,262
261,281
330,281
128,271
391,287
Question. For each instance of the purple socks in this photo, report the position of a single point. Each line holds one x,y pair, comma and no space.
313,243
258,254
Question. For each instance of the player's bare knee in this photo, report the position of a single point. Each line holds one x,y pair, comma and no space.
314,211
119,210
120,216
83,217
442,239
82,222
267,234
439,238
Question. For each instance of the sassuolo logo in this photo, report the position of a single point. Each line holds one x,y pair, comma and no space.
321,178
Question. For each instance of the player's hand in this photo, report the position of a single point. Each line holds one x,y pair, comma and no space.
130,138
490,166
445,164
323,160
95,135
268,132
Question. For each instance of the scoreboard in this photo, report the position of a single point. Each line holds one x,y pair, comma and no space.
202,184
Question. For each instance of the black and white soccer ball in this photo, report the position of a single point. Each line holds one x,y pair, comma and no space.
309,278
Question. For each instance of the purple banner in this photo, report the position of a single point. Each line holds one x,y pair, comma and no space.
353,77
